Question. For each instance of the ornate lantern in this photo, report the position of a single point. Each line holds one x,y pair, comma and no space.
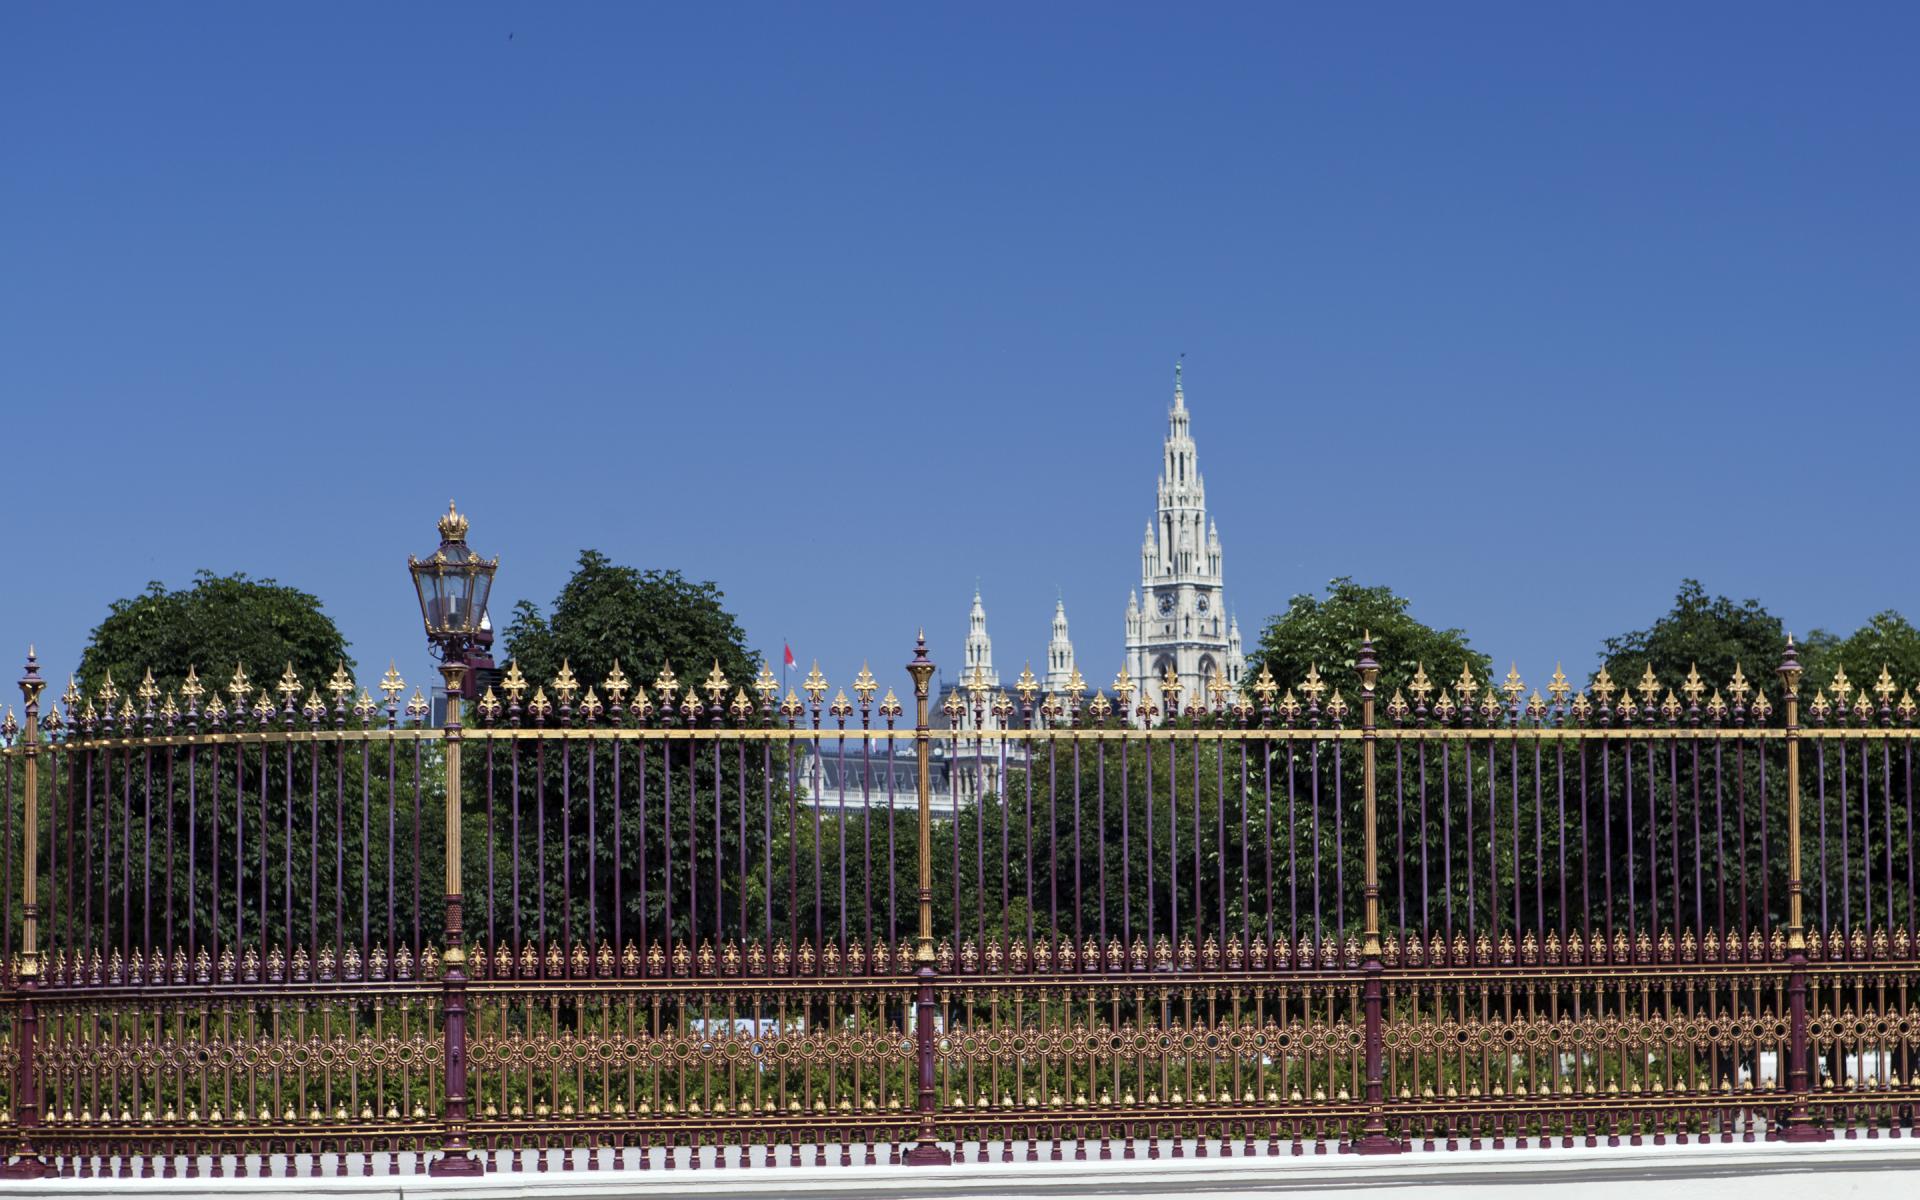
453,583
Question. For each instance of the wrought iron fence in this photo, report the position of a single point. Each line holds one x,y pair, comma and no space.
262,927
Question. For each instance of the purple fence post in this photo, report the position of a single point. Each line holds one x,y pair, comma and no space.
26,1162
1800,1126
1374,1138
455,1159
927,1151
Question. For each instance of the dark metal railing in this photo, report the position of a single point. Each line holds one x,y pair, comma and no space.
609,925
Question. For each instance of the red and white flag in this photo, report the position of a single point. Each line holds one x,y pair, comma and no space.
789,659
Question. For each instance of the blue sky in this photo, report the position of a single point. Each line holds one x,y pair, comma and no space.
1524,310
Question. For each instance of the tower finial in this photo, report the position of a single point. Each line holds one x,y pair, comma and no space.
1179,395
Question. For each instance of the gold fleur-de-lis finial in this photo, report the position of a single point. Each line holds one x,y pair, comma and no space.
148,691
1265,685
1076,686
1337,707
1821,708
108,694
1536,707
976,685
716,684
1760,708
1604,687
1100,708
340,684
216,710
1124,687
1884,687
1170,686
1289,708
841,708
1513,688
1420,685
289,685
1397,708
1313,685
1841,685
616,684
765,683
590,704
168,710
514,684
1581,708
953,706
1716,707
1558,687
741,708
864,685
1217,688
71,697
363,708
1490,708
1670,707
1694,687
1003,707
1027,686
666,685
239,687
1738,687
1466,687
1862,707
540,707
791,707
815,684
890,706
1906,707
1648,687
315,708
416,706
391,684
489,706
565,684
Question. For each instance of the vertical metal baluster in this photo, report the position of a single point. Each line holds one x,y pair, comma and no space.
1820,782
1626,804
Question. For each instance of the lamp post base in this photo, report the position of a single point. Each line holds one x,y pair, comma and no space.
458,1165
1379,1143
929,1154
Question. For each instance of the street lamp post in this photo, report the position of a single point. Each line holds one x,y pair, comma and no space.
453,584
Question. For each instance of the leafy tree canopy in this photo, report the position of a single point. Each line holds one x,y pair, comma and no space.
1711,633
217,622
642,619
1887,640
1326,632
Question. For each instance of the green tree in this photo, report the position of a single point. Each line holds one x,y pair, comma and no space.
218,621
642,619
557,865
1888,640
1325,632
1710,633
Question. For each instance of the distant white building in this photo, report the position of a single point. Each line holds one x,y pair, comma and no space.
1179,617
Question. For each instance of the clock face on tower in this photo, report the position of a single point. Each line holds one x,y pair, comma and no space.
1203,604
1166,603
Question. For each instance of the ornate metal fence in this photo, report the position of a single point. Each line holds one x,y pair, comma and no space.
295,927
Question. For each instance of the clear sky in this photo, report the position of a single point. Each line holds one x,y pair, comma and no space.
1528,311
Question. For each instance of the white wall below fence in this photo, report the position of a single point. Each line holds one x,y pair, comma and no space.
1883,1167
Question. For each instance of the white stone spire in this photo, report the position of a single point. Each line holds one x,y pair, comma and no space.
1181,619
979,646
1059,653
